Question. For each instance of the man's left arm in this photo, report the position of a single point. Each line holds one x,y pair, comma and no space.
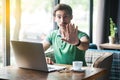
83,43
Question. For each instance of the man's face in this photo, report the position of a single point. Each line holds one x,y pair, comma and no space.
62,18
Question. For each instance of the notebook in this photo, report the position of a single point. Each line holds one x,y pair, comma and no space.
31,55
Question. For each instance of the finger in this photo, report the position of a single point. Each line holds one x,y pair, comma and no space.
67,28
73,28
64,40
48,60
63,34
51,62
70,28
76,29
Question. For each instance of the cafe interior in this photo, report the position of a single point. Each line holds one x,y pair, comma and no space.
32,20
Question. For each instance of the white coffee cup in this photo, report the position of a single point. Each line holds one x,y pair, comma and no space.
77,65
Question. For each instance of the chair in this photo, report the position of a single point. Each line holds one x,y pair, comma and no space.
104,61
92,46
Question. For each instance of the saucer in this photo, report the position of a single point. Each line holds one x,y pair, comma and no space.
79,70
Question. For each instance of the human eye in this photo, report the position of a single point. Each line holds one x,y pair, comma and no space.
66,16
58,16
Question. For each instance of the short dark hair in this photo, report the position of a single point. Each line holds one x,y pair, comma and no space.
64,7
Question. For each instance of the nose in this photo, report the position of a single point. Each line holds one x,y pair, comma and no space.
62,19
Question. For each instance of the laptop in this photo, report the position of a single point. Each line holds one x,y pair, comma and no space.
30,55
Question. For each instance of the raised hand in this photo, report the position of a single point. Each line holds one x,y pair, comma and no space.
70,34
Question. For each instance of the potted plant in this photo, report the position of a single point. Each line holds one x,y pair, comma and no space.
112,32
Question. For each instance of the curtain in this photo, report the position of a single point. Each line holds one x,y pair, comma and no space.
118,21
99,24
106,9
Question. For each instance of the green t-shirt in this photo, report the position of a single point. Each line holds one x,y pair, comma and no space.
64,52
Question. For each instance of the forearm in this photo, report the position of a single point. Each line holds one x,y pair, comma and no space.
46,45
83,45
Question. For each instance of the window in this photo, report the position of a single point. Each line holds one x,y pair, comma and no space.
34,20
31,20
95,13
4,32
1,32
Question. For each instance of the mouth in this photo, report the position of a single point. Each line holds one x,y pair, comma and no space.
63,24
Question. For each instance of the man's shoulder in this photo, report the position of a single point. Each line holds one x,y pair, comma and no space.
81,32
54,33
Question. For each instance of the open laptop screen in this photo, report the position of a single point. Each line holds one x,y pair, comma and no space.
30,55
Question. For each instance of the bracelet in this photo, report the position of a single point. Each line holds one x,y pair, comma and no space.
78,43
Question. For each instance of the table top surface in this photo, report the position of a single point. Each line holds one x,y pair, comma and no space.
16,73
109,46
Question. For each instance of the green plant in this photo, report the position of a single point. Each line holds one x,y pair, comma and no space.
112,28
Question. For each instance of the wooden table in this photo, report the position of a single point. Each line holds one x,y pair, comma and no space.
15,73
109,46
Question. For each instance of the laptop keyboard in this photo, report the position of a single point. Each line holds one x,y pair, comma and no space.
55,67
51,68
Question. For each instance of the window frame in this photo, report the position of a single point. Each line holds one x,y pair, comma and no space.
6,31
6,25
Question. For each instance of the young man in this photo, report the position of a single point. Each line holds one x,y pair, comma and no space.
69,44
